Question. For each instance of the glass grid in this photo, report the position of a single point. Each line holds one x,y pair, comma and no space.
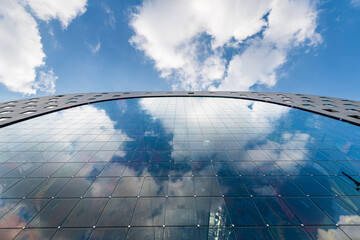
180,168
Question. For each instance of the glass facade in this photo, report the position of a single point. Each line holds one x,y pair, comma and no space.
180,168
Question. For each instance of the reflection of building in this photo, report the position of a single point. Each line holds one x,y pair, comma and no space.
180,168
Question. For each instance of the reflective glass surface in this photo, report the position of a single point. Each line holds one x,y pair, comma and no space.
180,168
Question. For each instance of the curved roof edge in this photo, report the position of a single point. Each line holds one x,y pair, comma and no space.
341,109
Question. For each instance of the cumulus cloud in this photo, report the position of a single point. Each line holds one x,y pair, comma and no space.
22,55
20,47
63,10
188,41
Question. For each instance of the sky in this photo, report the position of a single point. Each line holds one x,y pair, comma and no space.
75,46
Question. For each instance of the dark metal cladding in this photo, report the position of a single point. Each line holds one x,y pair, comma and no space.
341,109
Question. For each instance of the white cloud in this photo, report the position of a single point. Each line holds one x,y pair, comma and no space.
46,81
20,47
63,10
112,20
355,3
187,40
20,44
94,49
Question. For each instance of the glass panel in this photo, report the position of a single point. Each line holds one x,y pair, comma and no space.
181,186
76,187
284,186
307,212
202,169
290,233
128,187
54,213
68,170
275,212
180,211
232,187
86,213
91,170
149,212
6,205
102,187
338,211
155,186
35,234
148,233
213,233
46,170
310,186
245,208
258,186
352,231
211,211
253,233
179,233
49,188
247,168
82,233
6,183
114,169
118,212
23,188
325,232
108,233
22,213
205,186
225,169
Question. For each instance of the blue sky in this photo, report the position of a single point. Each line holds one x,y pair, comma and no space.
72,46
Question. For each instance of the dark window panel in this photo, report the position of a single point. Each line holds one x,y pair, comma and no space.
245,208
180,211
80,233
296,233
307,212
233,186
275,212
155,186
23,188
211,211
68,170
22,213
181,186
258,186
149,212
35,234
128,187
118,212
257,233
86,213
108,233
206,186
326,232
311,186
284,186
76,187
145,233
49,188
54,213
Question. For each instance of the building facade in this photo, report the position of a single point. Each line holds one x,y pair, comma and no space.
180,165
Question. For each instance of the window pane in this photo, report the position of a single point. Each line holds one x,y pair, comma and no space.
118,212
245,208
180,211
86,213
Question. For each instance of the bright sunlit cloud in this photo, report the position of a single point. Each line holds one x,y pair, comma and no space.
188,41
22,59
